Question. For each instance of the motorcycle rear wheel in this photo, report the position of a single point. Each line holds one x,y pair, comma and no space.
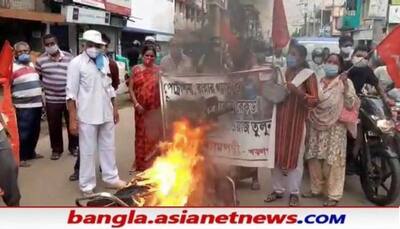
383,175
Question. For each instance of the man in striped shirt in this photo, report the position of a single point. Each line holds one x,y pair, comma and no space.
27,99
52,67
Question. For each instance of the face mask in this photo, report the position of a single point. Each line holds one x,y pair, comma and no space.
291,61
359,62
318,60
347,50
92,52
331,70
52,49
148,60
24,58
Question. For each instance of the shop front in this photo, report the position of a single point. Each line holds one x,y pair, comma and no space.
81,19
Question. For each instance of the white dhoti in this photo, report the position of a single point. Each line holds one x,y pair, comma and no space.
291,181
100,139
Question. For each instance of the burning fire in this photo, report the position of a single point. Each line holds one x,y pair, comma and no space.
172,177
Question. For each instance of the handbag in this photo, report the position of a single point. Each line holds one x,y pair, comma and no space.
349,116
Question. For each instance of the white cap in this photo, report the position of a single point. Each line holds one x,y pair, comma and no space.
136,42
150,38
93,36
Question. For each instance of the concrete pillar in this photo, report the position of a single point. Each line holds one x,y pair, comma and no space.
215,20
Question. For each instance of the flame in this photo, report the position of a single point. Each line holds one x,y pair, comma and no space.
173,174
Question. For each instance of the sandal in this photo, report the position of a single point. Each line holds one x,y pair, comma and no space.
273,196
294,200
74,176
38,156
55,156
24,164
331,203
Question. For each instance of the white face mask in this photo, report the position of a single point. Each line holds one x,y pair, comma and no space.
52,49
359,62
347,50
92,52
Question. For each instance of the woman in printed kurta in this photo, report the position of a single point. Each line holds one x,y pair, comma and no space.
290,128
144,92
326,138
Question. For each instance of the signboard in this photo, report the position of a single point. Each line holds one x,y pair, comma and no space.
93,3
122,7
394,14
17,4
80,15
395,2
378,8
352,18
243,131
160,20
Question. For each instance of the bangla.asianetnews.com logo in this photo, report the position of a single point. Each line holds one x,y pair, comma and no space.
233,218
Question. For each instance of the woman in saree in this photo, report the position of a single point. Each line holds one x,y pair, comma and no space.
326,138
290,126
145,95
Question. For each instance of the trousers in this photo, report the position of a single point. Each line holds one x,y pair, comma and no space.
29,130
55,113
8,173
291,180
97,139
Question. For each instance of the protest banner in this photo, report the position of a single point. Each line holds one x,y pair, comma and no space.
242,132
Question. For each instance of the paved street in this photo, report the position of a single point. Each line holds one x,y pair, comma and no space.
46,182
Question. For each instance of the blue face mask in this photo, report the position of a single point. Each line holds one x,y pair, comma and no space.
331,70
291,61
24,58
100,61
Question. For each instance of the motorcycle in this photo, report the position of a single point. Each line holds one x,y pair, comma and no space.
378,160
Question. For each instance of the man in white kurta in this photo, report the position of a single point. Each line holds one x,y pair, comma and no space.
93,114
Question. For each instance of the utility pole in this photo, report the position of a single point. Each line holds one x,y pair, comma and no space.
304,4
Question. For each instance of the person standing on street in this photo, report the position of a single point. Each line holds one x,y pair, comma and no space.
114,75
145,95
318,59
93,113
27,99
326,134
176,62
290,126
133,53
9,190
52,67
346,44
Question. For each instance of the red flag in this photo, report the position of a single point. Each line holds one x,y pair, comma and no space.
6,105
389,51
227,35
280,32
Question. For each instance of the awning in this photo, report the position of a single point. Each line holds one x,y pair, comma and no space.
31,15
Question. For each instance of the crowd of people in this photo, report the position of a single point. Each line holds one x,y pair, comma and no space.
311,123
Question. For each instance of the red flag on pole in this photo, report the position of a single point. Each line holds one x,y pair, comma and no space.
6,106
389,51
280,32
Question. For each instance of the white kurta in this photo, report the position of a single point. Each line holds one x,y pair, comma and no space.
91,89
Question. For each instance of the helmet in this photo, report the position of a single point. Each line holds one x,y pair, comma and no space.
318,52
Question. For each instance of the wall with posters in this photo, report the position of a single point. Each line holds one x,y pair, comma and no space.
148,18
